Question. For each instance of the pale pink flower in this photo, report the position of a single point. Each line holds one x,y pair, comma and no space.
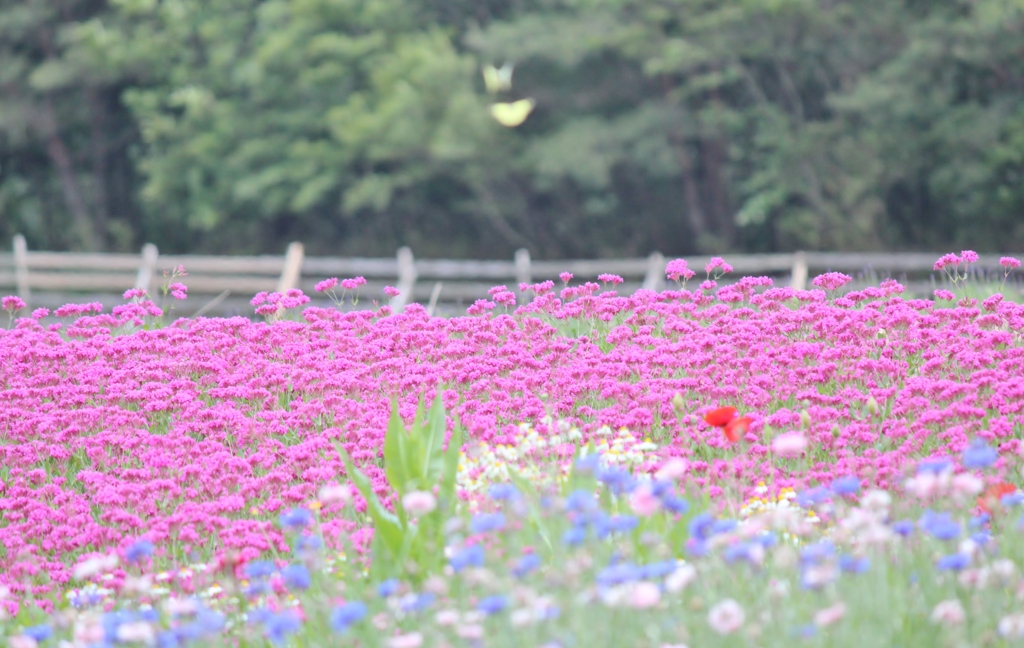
566,277
391,291
832,280
446,617
21,641
644,595
791,444
830,615
643,501
470,631
678,580
673,469
949,612
411,640
335,493
418,503
136,632
966,485
726,617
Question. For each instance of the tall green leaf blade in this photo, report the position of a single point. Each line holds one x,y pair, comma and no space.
395,451
385,524
451,465
434,437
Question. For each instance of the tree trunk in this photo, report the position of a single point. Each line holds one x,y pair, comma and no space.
98,146
61,159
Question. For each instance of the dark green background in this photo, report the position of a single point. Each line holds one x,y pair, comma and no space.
356,126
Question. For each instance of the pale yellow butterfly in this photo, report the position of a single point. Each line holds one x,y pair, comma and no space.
498,79
514,113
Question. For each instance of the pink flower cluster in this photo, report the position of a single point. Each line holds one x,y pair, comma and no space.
273,303
676,270
200,433
832,280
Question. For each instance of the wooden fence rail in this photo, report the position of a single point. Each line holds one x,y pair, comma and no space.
42,278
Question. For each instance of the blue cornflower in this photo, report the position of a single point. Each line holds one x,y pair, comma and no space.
526,564
152,615
141,549
580,501
167,639
260,568
308,543
979,455
257,588
492,604
472,556
934,466
622,523
417,602
296,576
697,547
903,527
1012,499
738,551
487,522
39,632
848,485
766,539
815,553
853,564
279,626
502,492
674,504
978,521
940,525
347,614
588,463
954,562
618,574
657,569
701,526
812,497
297,518
388,587
574,536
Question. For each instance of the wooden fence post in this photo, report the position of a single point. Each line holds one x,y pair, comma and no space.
523,273
21,268
145,276
406,279
292,269
798,279
655,277
435,294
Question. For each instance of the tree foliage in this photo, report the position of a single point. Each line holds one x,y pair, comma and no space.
361,125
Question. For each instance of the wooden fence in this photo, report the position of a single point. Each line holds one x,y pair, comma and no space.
224,284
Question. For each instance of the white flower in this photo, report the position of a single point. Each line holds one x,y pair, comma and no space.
335,493
411,640
138,631
726,617
678,580
1012,626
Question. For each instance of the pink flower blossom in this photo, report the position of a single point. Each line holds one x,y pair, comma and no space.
643,501
1009,262
353,284
947,260
418,503
676,270
326,284
832,280
968,256
944,295
391,291
566,277
644,595
726,617
609,278
948,613
134,293
830,615
178,290
791,444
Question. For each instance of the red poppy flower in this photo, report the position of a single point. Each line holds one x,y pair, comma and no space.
736,428
990,499
720,417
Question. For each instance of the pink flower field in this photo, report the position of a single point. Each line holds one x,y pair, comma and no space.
198,435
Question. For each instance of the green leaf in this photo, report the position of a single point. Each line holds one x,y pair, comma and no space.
434,437
395,452
385,524
451,465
